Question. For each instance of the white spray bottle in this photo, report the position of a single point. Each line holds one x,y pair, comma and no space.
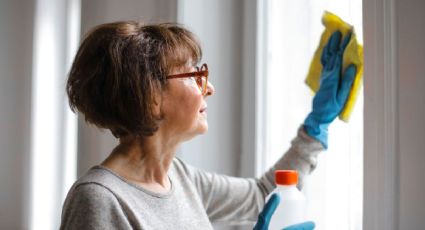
292,206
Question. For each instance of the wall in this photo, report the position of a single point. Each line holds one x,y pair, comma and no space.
411,112
218,26
15,113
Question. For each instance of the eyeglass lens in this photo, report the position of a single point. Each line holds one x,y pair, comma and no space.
202,81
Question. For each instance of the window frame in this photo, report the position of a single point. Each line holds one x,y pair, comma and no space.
381,147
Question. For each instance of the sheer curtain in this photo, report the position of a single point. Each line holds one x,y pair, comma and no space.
53,125
292,33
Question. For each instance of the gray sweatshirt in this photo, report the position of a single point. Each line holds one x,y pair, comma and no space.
101,199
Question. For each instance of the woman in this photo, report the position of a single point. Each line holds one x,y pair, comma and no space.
141,83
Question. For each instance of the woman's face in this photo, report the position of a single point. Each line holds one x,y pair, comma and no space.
184,107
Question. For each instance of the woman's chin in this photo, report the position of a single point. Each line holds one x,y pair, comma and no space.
204,128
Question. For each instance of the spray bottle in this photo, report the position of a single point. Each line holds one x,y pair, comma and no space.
292,206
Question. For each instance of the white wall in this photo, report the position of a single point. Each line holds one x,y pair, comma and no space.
411,112
16,21
218,24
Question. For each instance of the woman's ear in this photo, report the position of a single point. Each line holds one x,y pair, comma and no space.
156,104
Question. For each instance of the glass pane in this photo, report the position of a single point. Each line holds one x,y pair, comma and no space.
334,190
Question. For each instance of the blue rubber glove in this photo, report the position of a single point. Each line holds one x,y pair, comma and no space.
334,89
270,207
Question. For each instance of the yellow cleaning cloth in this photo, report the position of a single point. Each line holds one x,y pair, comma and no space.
353,54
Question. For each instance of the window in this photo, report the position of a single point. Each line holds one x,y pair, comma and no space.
292,32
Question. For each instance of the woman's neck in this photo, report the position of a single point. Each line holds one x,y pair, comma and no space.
144,163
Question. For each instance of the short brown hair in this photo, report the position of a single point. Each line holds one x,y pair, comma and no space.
119,67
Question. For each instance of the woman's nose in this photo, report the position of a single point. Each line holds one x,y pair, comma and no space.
210,89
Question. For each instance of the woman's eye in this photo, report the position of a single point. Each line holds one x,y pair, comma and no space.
190,81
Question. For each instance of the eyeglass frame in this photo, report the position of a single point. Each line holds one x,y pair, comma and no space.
199,73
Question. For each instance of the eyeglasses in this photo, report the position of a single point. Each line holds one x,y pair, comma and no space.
200,75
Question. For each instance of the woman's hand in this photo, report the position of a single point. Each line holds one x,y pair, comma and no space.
334,89
267,213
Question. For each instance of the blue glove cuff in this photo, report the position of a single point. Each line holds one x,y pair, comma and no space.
316,130
309,225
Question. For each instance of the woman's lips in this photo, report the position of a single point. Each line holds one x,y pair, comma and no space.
203,110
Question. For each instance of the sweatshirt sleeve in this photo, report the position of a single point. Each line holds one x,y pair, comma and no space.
301,156
239,200
92,206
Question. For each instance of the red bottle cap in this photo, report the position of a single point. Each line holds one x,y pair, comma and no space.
286,177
